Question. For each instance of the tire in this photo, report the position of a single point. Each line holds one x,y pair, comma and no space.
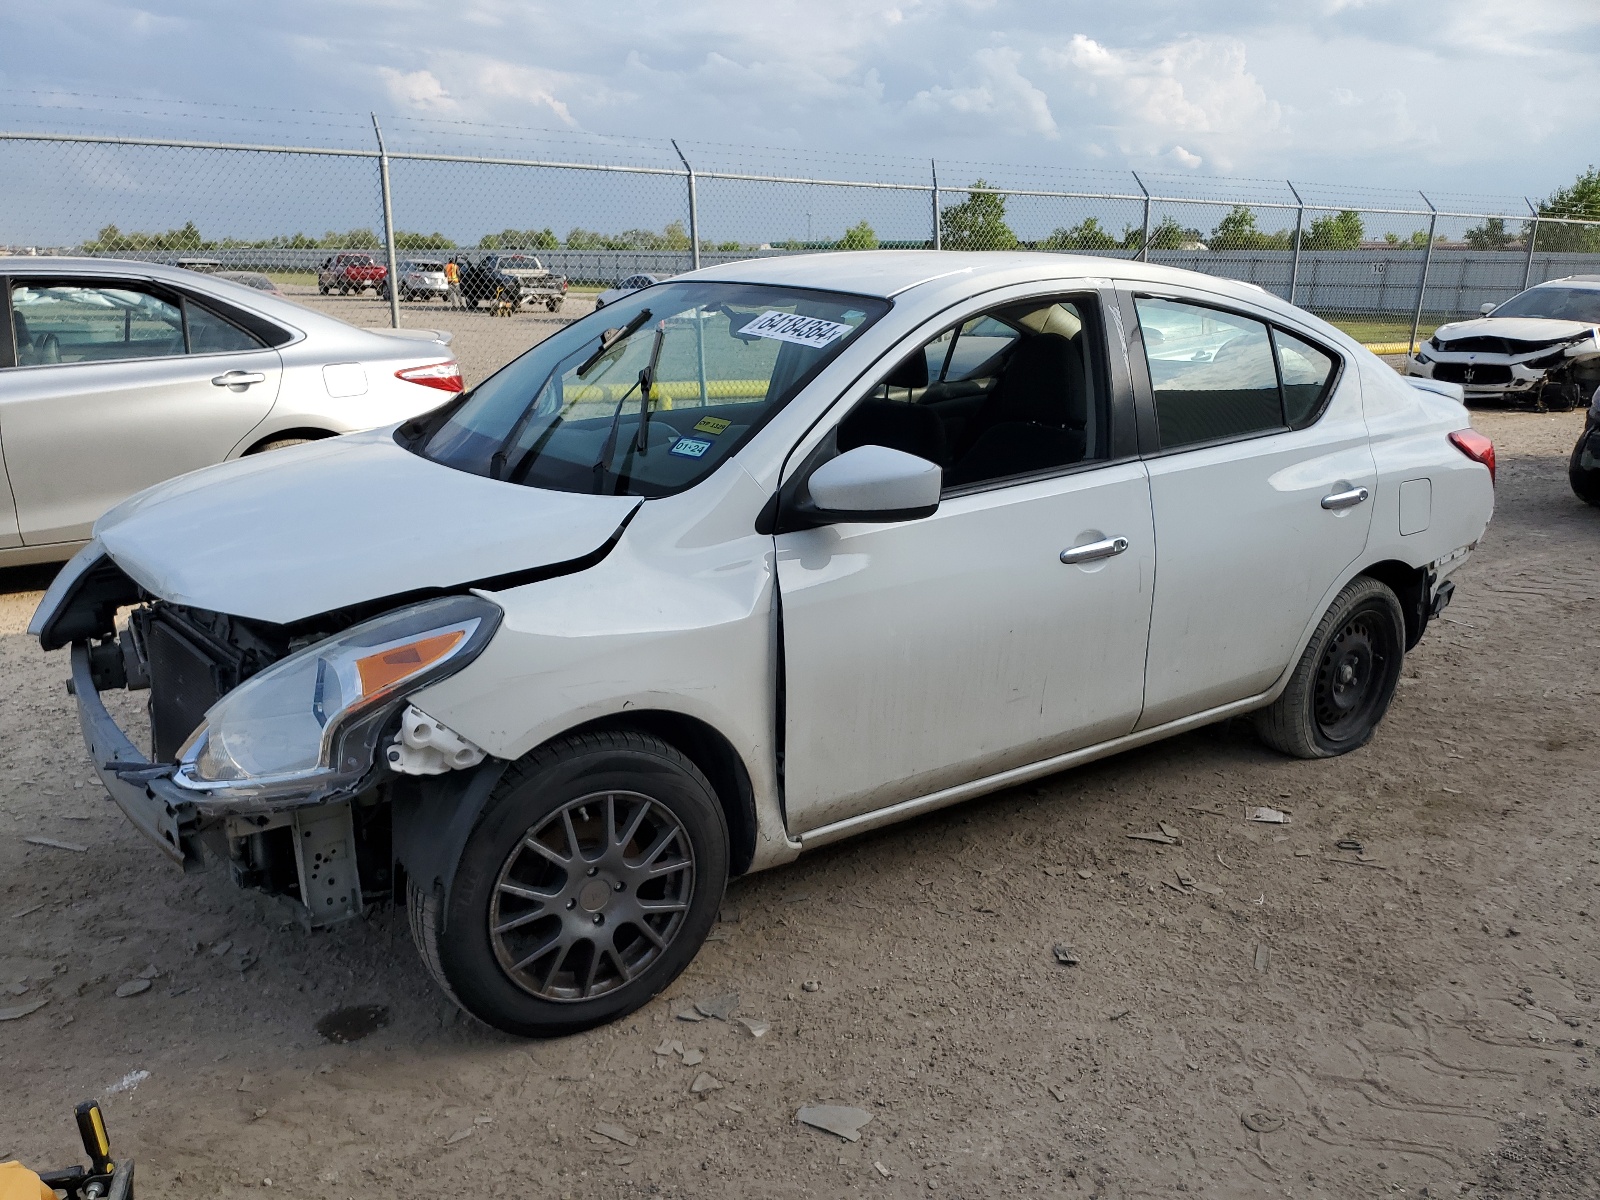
344,289
1344,680
553,305
281,444
322,288
1585,480
513,940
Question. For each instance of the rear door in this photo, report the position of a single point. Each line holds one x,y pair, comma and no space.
119,384
1261,470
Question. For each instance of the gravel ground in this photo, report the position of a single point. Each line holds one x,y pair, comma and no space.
1420,1018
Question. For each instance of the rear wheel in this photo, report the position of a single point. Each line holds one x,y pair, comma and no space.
1585,479
589,883
1344,680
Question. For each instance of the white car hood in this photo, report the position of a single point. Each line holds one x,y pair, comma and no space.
1518,329
287,535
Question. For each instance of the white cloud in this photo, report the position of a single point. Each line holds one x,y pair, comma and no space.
1199,88
999,100
416,89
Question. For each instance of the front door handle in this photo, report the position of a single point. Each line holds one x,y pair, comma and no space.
238,379
1345,499
1094,550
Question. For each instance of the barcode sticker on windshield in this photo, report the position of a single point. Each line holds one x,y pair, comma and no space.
792,327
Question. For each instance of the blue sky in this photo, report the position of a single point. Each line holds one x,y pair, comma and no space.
1463,96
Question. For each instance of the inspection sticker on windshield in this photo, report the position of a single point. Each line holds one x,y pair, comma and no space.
792,327
690,447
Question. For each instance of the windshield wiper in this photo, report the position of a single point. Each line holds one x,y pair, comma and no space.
646,380
497,460
617,335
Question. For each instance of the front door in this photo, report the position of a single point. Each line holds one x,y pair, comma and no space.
926,654
119,386
1258,477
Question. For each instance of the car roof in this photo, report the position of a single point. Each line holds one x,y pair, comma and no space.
1583,282
890,273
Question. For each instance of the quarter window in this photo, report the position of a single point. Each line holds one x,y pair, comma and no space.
210,334
1306,373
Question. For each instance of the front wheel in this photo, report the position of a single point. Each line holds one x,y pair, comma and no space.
1344,680
588,885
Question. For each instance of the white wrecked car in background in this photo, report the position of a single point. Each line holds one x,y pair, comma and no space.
1540,348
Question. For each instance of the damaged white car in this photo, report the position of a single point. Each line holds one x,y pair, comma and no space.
1540,348
753,560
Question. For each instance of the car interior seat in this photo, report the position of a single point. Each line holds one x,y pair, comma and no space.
1035,418
898,424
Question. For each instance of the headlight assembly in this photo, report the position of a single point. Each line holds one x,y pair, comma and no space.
310,722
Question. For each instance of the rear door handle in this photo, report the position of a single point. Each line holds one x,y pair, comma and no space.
238,379
1347,499
1105,548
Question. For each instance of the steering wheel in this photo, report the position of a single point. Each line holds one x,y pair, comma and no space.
48,348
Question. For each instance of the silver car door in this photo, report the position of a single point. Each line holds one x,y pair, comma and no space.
10,533
1008,627
119,385
1260,490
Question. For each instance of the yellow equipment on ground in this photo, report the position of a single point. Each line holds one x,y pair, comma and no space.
102,1179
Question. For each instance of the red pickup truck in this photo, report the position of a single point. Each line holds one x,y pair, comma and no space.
346,273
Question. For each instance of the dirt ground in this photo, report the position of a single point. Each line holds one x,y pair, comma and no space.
1417,1019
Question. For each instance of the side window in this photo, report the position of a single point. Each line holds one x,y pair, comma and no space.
1212,373
71,322
1306,372
211,334
1014,391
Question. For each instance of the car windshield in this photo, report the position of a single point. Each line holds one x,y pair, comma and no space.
1561,304
717,360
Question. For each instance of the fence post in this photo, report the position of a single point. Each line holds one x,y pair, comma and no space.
1533,236
938,233
694,210
1299,225
1144,238
1422,286
388,226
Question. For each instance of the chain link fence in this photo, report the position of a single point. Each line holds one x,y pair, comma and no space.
536,236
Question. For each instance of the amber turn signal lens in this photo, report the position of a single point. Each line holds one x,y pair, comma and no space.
389,667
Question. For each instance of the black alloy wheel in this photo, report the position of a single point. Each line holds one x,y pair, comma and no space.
1345,679
588,884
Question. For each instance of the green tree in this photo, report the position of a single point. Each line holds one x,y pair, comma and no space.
860,236
1341,231
1167,235
1238,231
421,241
519,239
978,223
1491,235
1579,199
1085,235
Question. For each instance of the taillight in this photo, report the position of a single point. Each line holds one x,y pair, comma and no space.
1476,447
446,376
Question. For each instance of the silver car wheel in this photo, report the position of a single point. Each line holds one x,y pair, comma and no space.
591,896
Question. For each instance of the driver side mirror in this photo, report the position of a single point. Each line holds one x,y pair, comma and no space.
872,483
1488,307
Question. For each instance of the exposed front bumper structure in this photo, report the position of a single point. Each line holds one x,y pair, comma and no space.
158,808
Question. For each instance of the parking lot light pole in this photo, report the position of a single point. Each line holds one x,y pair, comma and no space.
1533,236
392,279
694,210
1144,238
1299,226
1422,284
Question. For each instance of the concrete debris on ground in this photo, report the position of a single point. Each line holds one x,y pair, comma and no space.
838,1119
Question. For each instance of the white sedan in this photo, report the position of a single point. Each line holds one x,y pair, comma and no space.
773,554
117,375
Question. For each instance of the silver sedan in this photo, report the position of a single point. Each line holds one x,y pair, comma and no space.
118,375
